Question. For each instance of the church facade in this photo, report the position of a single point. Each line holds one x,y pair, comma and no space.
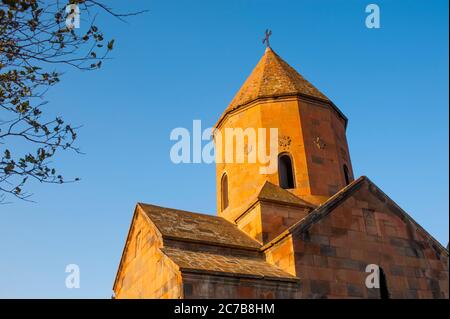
308,230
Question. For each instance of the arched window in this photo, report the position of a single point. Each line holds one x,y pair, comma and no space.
224,189
285,172
384,291
346,175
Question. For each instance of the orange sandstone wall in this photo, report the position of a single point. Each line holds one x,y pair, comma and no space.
277,218
331,257
146,272
266,220
282,256
244,180
311,132
325,145
251,223
285,116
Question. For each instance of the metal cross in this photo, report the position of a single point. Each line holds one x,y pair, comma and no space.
266,38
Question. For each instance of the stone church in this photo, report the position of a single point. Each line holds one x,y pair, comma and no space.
309,230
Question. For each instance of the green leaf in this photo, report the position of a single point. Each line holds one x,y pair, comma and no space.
110,45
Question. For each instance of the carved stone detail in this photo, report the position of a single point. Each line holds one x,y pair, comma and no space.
319,143
284,142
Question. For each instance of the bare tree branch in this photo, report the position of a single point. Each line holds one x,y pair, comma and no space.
34,39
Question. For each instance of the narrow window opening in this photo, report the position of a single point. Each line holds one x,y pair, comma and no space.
224,189
285,172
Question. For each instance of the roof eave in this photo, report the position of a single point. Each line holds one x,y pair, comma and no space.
208,243
300,95
239,275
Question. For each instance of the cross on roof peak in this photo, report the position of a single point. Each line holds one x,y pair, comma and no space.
268,33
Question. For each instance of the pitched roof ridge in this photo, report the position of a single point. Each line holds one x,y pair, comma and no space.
247,83
334,200
291,198
291,72
264,67
314,215
409,217
179,210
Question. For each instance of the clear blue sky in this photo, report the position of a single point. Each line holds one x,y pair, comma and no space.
184,60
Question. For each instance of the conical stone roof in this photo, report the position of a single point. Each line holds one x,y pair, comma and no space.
273,77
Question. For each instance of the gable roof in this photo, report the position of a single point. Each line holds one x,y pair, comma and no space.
275,193
326,208
187,226
226,265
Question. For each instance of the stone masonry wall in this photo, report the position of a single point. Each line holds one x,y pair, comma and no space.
276,218
331,256
146,272
207,286
325,146
266,220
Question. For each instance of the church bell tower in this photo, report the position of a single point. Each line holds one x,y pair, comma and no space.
313,155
